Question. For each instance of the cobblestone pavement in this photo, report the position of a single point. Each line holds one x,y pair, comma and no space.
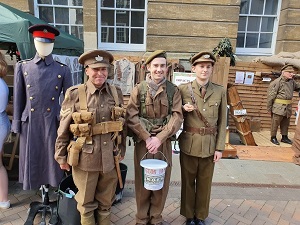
231,204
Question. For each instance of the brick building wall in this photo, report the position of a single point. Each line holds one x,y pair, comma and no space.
288,38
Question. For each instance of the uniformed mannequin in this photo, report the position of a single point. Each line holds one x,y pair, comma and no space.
202,140
38,83
155,139
279,103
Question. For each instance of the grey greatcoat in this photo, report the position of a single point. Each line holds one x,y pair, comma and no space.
37,87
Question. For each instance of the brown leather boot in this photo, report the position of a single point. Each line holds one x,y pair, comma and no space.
87,218
103,218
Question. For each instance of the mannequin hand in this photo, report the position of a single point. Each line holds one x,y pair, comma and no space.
65,166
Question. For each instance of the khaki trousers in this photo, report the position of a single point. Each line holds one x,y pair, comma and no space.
281,121
96,190
196,180
150,204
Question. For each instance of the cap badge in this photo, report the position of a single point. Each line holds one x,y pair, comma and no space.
206,56
45,31
99,58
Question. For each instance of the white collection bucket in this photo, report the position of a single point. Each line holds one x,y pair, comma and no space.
153,173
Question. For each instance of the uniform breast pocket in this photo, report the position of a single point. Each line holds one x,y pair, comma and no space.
87,148
213,108
164,107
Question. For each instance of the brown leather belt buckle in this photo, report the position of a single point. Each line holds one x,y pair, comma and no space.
202,131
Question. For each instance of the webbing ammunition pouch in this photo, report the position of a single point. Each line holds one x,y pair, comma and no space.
74,148
153,125
83,117
117,112
84,126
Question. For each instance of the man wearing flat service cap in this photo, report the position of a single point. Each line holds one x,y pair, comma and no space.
154,115
203,138
92,114
279,102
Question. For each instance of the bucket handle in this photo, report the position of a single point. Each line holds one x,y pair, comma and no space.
155,153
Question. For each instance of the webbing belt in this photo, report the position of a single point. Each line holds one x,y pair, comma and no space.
283,101
107,127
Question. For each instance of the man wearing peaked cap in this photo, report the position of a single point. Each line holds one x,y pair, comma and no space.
96,58
153,126
97,105
279,102
203,138
203,57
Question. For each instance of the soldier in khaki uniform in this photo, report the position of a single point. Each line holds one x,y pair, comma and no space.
153,131
203,138
87,112
279,103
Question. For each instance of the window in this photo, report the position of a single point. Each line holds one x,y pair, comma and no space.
122,25
257,28
66,15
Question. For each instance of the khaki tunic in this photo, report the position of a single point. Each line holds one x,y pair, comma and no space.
150,204
213,107
196,157
94,175
99,155
281,89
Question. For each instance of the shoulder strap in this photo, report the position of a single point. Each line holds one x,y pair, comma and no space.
143,92
82,97
115,94
170,93
201,117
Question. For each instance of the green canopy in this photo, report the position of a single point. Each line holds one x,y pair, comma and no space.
14,29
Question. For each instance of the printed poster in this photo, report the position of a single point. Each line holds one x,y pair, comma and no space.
239,77
249,78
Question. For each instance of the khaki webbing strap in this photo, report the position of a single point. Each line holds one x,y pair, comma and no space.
115,94
107,127
283,101
82,97
201,117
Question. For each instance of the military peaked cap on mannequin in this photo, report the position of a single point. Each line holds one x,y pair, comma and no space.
96,58
203,57
289,68
156,54
44,32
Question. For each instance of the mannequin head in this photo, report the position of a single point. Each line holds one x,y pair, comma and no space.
44,37
42,48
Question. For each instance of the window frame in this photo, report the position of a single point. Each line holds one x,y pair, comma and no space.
260,51
121,46
53,6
